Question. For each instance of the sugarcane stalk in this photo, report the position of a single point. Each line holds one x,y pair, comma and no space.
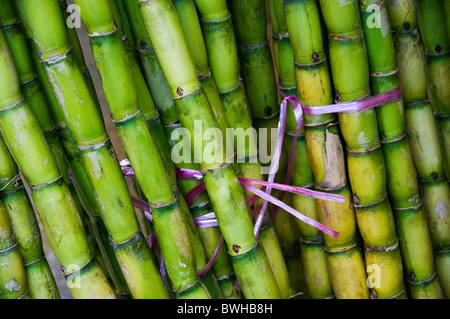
426,154
30,85
40,281
432,19
190,23
226,194
256,66
51,195
13,279
222,54
289,240
145,99
402,183
288,237
283,62
316,273
210,237
126,25
86,124
78,50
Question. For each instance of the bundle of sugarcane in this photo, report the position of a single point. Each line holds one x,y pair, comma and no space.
366,166
422,130
39,278
13,279
53,200
171,74
402,182
226,194
99,160
436,194
157,83
258,74
432,21
31,86
256,68
47,114
325,168
312,256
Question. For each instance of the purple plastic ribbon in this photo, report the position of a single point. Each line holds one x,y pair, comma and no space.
303,218
208,266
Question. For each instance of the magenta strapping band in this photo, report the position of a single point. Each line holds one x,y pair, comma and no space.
208,266
186,173
194,193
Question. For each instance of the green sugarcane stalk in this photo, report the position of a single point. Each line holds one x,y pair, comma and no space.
426,154
40,281
30,85
145,99
223,60
211,236
302,173
301,170
275,32
365,160
191,26
224,190
86,124
13,280
78,50
51,195
221,47
256,66
431,15
126,25
289,240
190,23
